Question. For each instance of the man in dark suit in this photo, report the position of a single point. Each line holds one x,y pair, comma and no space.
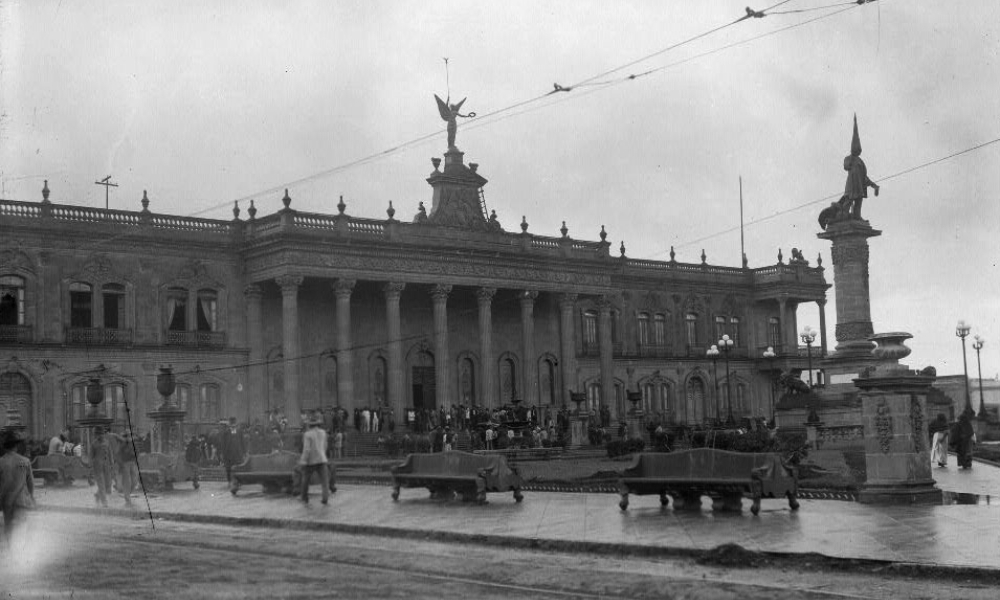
232,447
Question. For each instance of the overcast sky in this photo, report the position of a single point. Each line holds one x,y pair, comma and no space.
203,103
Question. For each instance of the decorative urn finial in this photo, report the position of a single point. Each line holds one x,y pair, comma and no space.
604,234
524,224
672,254
781,259
45,192
563,229
622,249
340,205
704,257
252,211
473,167
819,260
145,201
390,211
287,200
236,209
436,162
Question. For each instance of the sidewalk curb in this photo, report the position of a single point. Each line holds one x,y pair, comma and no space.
800,560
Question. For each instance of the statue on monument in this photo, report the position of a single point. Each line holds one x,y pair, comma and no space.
450,113
856,188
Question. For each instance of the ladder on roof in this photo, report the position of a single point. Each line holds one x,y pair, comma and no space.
482,204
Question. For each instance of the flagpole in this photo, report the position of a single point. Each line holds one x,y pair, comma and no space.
743,254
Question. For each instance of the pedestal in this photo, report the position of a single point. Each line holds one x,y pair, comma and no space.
578,431
636,423
897,446
167,429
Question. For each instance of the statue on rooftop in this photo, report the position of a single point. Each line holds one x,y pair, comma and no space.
856,188
449,113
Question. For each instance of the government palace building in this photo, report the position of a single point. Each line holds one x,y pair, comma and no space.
295,311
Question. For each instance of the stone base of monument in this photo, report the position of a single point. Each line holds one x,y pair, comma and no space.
894,415
578,431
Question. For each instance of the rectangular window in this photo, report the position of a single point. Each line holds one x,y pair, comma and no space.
720,327
11,300
177,310
207,313
734,331
660,330
643,329
80,307
691,328
590,329
774,332
114,310
209,403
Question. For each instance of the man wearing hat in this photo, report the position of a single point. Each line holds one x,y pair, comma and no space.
17,485
233,449
313,459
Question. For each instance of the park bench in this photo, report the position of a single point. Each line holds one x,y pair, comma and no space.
446,473
724,476
159,470
277,471
60,469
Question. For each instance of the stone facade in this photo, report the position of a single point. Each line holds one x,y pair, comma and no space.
297,311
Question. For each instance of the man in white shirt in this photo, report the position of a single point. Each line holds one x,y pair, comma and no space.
313,459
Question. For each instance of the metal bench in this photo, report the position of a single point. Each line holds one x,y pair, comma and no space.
59,469
725,476
163,470
447,473
278,471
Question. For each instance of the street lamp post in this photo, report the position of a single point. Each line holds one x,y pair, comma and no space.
713,353
769,357
962,331
726,344
808,336
977,346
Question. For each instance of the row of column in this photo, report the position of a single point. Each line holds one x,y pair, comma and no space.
343,288
790,334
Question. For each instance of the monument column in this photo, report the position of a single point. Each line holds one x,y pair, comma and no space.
822,327
484,297
290,345
342,289
567,344
606,352
530,368
393,290
255,340
440,293
850,276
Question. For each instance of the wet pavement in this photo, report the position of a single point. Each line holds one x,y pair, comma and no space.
963,531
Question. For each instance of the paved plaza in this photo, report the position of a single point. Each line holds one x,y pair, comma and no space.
964,531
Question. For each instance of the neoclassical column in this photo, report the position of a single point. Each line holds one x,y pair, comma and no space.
606,350
484,297
342,289
439,293
783,325
255,340
822,326
191,314
290,345
393,290
567,343
530,369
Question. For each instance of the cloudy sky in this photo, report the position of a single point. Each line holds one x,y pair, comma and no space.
204,103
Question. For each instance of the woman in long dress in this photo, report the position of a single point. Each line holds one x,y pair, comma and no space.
939,441
965,436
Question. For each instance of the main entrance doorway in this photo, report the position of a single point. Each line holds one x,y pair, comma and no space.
423,388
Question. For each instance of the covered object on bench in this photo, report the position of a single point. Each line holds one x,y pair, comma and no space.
471,475
724,476
277,471
163,470
60,469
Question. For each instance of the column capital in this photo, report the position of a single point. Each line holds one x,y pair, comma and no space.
567,301
485,294
393,289
604,304
440,292
527,296
289,283
343,287
253,291
821,303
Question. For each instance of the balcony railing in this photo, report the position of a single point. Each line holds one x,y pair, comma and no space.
16,334
197,339
98,336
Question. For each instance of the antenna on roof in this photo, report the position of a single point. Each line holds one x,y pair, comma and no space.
106,182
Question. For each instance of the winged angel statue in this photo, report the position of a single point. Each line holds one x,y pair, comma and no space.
449,112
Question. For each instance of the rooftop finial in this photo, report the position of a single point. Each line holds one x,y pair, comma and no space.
390,211
563,229
604,234
340,205
287,200
622,249
781,259
524,224
704,257
145,201
252,211
436,162
672,254
236,209
45,191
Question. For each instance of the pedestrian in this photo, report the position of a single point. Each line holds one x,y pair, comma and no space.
101,462
449,439
125,460
965,438
17,486
57,443
338,444
313,459
939,440
233,450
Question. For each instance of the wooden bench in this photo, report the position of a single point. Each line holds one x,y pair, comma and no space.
447,473
277,471
60,469
724,476
163,470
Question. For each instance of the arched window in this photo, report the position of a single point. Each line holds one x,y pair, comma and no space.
208,310
177,309
691,328
113,296
642,333
209,403
660,329
81,305
11,300
656,397
467,382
